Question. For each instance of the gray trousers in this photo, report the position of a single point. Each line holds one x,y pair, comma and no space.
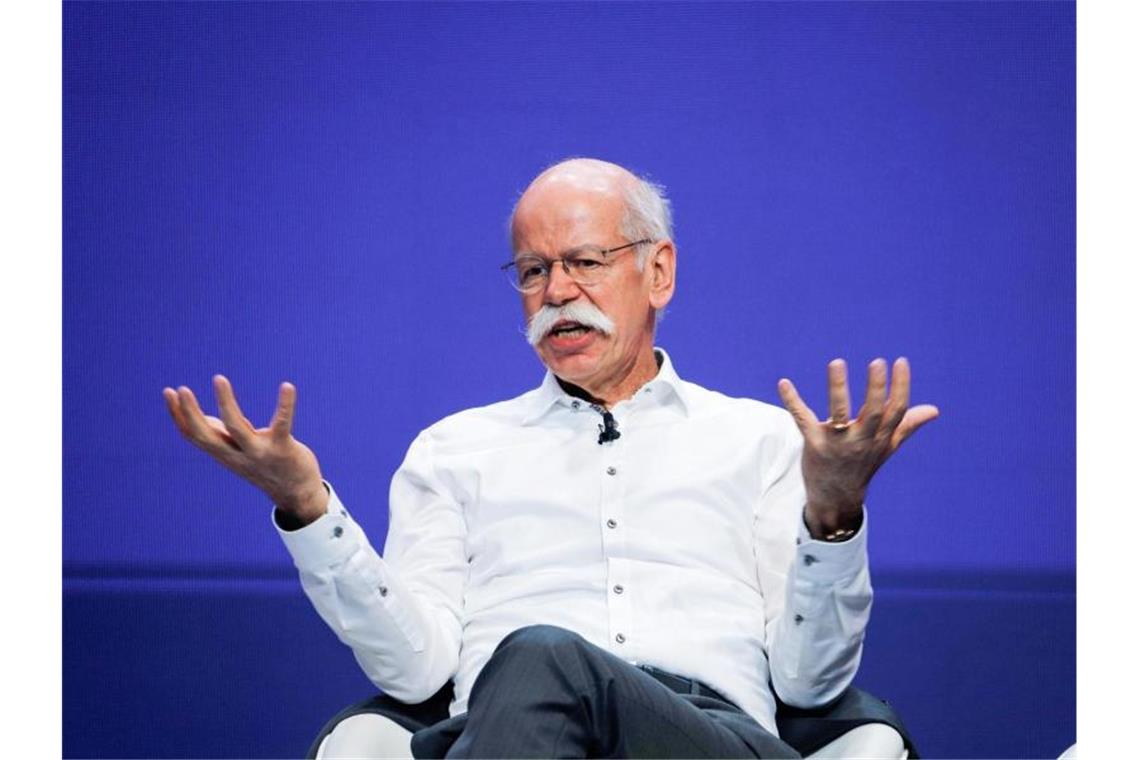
547,692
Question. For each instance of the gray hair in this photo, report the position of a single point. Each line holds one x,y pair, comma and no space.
648,214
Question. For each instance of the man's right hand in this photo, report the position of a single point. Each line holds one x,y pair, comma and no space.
270,457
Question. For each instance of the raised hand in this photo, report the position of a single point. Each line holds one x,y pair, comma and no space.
841,454
269,458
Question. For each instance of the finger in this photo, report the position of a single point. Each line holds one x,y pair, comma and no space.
213,423
240,429
900,394
282,425
170,396
914,418
804,417
200,430
838,399
871,413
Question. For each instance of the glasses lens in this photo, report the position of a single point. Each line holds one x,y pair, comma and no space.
527,273
586,267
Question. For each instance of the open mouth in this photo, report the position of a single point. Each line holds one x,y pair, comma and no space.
569,330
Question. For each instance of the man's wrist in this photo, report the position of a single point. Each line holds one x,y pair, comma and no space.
832,525
304,508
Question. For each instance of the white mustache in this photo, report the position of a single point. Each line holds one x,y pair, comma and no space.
584,313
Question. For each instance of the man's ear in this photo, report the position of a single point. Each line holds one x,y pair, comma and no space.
661,266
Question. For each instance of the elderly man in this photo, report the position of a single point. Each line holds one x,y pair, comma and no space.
617,563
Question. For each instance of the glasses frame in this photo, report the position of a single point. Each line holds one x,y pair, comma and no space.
604,252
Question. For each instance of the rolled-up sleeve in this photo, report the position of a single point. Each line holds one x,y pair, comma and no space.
400,613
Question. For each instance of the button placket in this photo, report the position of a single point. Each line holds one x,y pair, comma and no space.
612,487
611,509
619,602
612,520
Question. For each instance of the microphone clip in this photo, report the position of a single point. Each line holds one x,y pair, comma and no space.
608,430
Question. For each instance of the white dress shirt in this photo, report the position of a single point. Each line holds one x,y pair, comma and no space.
679,545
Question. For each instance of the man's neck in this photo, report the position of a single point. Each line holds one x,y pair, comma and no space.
608,395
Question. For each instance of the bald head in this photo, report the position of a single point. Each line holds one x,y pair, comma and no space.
577,187
586,174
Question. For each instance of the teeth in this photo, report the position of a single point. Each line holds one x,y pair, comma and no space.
571,331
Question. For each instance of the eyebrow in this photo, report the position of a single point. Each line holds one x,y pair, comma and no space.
568,251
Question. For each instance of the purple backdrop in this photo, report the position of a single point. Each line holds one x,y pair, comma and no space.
317,192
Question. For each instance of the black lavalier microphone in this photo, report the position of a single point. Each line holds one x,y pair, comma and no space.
608,430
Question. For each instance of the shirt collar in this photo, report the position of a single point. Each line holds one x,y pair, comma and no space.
667,385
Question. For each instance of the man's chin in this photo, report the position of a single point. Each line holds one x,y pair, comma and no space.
571,358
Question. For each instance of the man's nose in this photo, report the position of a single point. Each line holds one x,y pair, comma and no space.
560,286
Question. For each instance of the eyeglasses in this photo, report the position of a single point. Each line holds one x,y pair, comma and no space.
587,265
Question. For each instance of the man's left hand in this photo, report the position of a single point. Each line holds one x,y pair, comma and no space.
841,454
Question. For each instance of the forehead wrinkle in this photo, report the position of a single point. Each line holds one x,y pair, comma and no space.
560,217
576,193
563,253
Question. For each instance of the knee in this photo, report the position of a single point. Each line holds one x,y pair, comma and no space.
545,647
540,639
544,658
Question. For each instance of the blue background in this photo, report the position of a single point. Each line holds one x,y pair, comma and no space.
318,192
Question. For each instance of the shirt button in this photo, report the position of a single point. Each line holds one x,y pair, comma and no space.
611,523
383,590
611,471
620,638
799,619
809,559
338,532
619,589
576,404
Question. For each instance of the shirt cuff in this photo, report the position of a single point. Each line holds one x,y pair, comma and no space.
830,561
327,541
